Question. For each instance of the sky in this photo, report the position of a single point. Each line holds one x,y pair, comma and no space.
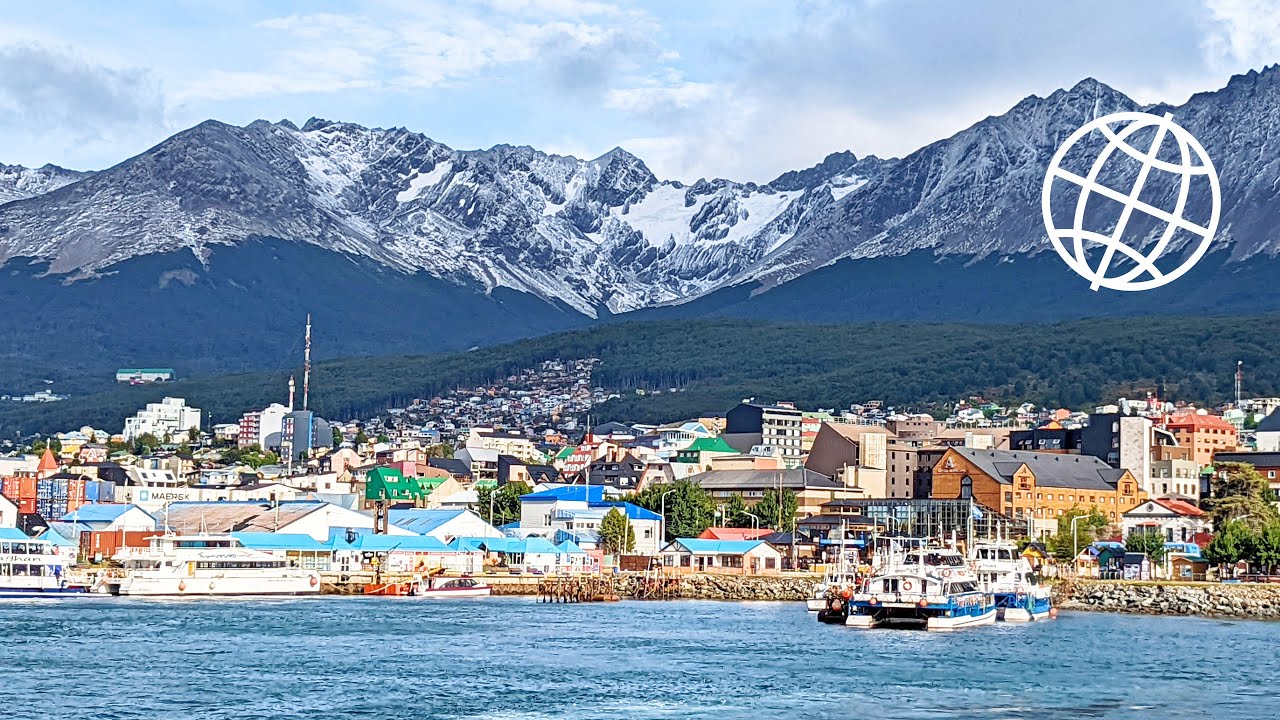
744,89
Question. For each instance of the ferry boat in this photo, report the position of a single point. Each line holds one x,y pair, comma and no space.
445,587
33,568
1004,573
206,565
930,588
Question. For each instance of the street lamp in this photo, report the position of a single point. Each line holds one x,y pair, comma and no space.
1075,543
755,519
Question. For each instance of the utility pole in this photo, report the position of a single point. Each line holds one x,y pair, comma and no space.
1239,378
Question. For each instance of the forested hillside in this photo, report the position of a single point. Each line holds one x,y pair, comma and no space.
715,363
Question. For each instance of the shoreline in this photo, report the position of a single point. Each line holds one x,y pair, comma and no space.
1243,601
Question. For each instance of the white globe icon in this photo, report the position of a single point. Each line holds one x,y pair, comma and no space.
1140,271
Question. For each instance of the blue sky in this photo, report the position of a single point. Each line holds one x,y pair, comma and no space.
698,88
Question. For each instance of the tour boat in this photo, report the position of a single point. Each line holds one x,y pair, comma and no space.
206,565
930,588
445,587
32,568
1004,573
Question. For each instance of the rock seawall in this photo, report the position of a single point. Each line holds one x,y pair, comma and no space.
1208,599
727,587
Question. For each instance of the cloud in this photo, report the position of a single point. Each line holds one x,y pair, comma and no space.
1244,34
55,96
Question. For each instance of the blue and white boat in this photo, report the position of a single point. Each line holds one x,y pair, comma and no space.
1003,572
32,568
931,589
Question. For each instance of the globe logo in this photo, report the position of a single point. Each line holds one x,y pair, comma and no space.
1133,256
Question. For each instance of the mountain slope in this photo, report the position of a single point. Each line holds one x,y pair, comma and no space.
1076,364
19,183
442,249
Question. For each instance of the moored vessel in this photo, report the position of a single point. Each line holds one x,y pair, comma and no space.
33,568
1015,588
928,588
206,565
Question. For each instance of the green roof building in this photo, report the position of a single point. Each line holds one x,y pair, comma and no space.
391,485
696,452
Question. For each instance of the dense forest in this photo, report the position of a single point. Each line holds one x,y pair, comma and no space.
714,363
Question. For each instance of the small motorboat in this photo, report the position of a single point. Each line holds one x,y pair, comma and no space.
448,587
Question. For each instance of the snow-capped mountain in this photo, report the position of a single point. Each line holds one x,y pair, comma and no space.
605,236
593,234
18,182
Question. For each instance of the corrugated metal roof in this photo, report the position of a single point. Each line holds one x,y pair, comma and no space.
718,547
422,522
279,541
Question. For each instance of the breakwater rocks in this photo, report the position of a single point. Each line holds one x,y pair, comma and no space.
719,587
677,587
1210,599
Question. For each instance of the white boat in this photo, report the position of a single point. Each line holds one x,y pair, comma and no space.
927,588
206,565
1004,573
32,568
446,587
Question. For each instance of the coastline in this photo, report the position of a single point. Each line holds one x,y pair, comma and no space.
1234,600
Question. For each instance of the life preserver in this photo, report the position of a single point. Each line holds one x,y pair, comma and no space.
946,573
836,605
182,586
906,585
210,586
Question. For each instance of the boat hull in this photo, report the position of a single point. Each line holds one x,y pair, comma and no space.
196,586
462,593
815,604
958,622
20,592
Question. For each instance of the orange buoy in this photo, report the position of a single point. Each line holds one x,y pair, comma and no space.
846,593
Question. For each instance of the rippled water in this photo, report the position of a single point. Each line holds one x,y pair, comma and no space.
514,658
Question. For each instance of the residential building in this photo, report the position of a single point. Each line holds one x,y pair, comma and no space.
812,489
483,463
1268,433
443,525
1266,463
857,456
701,451
779,425
1175,520
262,427
144,375
1205,434
742,557
8,513
504,442
1036,487
624,473
167,419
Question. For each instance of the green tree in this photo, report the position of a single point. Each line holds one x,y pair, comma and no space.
734,513
55,445
499,506
689,508
1092,526
1239,490
439,450
1230,544
382,438
361,438
193,435
1147,541
145,443
1264,547
617,536
777,509
337,436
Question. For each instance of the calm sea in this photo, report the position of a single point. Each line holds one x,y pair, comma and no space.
337,658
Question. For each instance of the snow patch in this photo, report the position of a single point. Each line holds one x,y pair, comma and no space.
421,181
841,186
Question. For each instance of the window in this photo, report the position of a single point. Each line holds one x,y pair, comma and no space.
966,487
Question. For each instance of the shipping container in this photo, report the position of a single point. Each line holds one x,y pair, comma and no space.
11,488
106,491
91,491
27,506
109,542
27,487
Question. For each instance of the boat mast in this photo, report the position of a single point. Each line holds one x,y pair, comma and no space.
306,367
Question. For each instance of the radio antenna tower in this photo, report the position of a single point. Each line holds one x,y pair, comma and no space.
306,367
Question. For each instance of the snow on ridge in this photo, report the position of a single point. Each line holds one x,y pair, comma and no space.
421,181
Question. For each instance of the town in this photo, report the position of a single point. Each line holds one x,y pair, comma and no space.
509,478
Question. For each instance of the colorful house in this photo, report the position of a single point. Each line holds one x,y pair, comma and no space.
730,557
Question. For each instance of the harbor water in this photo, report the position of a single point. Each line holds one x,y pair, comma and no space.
398,658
